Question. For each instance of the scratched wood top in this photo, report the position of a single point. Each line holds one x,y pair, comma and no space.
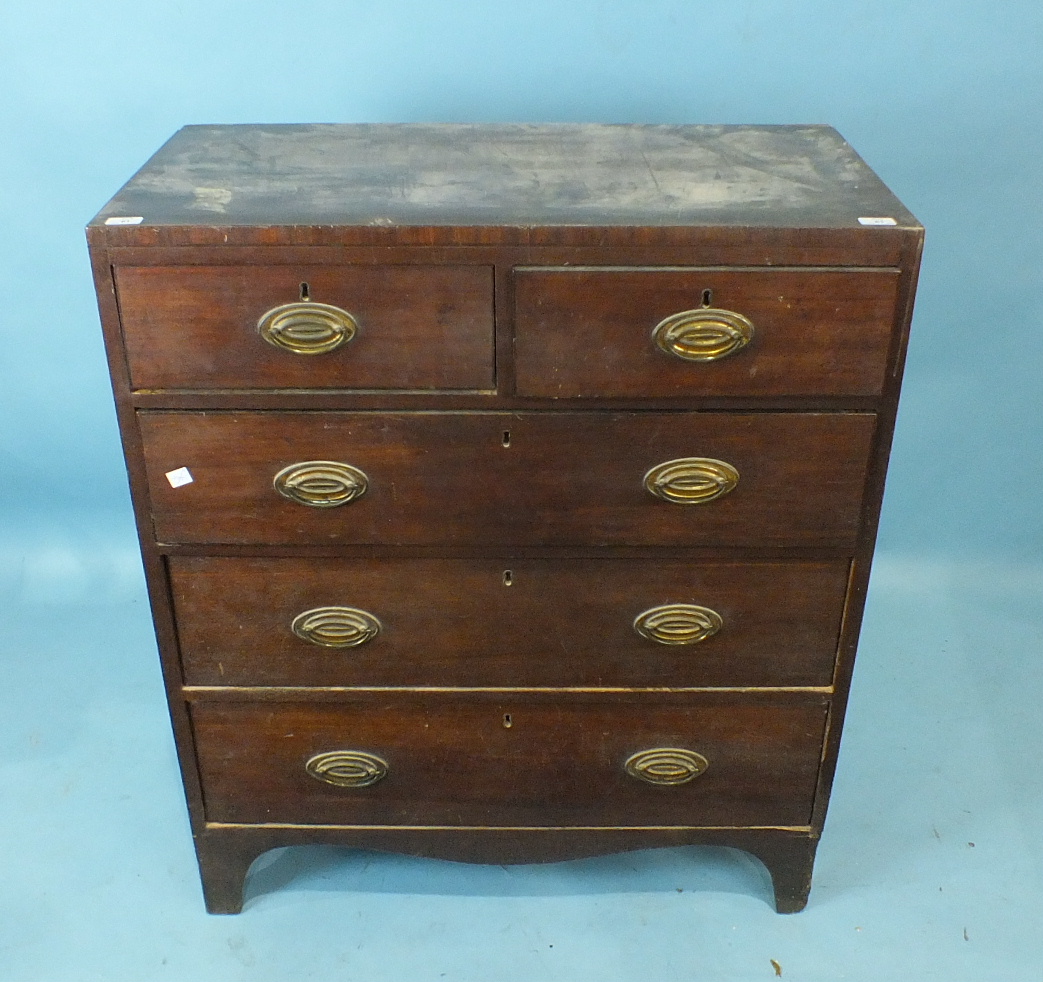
505,175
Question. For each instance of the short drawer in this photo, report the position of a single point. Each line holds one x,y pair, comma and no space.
554,479
408,327
506,622
625,333
501,760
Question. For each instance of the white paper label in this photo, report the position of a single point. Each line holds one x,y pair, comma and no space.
125,220
180,477
877,221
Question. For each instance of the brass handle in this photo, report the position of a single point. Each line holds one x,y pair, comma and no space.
336,627
691,480
307,328
347,768
668,766
678,624
707,334
321,483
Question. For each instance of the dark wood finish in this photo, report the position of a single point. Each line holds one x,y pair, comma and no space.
675,245
226,852
454,760
420,327
456,622
588,332
790,859
459,401
224,860
506,247
474,208
565,479
875,479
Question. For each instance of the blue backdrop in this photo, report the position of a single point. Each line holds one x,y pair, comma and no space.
943,99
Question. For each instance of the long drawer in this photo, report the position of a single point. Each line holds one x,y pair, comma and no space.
506,622
702,332
501,479
393,327
493,760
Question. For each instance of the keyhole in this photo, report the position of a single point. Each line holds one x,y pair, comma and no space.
305,292
707,297
508,577
506,440
507,721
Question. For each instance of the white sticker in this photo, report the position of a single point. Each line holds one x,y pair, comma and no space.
180,477
125,220
877,221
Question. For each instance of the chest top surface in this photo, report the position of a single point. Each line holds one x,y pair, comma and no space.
378,175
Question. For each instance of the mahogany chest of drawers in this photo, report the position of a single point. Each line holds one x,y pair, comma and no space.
506,493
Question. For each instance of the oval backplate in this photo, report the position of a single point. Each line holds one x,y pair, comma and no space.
336,627
691,480
666,766
307,328
321,483
677,624
347,768
706,334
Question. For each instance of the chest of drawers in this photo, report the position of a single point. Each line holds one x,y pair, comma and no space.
506,493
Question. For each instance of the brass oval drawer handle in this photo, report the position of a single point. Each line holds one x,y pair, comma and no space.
678,624
336,627
667,766
307,328
691,480
347,768
321,483
707,334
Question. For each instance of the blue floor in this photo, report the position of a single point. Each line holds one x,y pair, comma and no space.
931,866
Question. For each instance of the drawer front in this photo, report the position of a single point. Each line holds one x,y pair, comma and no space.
509,622
561,478
440,760
589,332
415,327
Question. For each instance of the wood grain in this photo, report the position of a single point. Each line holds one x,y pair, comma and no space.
431,235
588,332
420,327
566,478
452,761
454,622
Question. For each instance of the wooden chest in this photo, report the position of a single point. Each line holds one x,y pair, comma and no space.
506,493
